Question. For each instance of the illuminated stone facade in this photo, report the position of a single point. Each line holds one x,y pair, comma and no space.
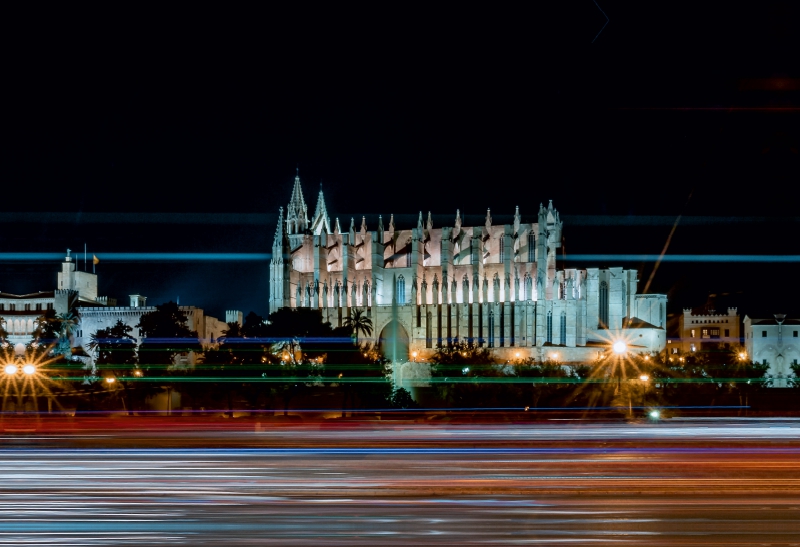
495,285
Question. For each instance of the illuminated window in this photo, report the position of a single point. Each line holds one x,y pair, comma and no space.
401,290
693,333
531,246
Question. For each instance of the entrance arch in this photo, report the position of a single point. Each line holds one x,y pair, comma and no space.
393,342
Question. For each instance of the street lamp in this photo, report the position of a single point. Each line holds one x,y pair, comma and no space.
111,379
619,347
11,369
644,377
29,369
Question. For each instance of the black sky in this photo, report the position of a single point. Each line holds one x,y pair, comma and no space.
397,109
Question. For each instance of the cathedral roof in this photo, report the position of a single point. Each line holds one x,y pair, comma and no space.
636,323
41,294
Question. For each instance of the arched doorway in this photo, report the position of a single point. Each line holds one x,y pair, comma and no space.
393,342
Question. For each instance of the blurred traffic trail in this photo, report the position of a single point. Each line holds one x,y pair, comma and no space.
194,481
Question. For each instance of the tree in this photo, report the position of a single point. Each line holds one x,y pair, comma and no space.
165,334
116,359
550,381
67,325
466,375
358,321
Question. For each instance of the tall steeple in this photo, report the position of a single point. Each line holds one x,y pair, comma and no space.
296,211
320,218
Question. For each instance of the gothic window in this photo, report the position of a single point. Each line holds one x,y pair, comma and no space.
549,334
13,307
401,290
491,328
531,246
604,304
38,307
563,329
502,242
528,287
428,330
27,307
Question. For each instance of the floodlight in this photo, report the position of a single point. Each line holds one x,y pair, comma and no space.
620,347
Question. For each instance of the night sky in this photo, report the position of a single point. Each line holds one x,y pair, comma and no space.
188,126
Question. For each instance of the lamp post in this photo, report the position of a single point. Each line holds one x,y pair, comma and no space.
645,378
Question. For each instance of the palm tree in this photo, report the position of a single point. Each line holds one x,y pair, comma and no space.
67,325
359,322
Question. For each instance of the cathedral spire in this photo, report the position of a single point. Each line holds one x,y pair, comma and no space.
391,223
279,228
419,222
297,212
429,225
516,221
337,229
320,219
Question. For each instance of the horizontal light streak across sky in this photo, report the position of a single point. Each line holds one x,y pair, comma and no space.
143,257
680,258
260,257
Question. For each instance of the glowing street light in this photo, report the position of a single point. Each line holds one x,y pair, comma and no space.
29,369
11,369
742,356
644,377
554,356
111,379
655,414
619,347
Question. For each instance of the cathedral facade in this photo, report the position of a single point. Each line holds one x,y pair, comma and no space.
493,285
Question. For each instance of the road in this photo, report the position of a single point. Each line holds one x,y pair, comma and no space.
734,482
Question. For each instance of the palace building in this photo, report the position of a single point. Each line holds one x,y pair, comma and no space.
494,285
78,290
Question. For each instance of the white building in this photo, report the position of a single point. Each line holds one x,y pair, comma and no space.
492,285
79,289
703,327
775,342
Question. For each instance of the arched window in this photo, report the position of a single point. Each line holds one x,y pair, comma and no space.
428,330
603,305
528,287
401,290
502,242
549,334
563,338
531,246
491,328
